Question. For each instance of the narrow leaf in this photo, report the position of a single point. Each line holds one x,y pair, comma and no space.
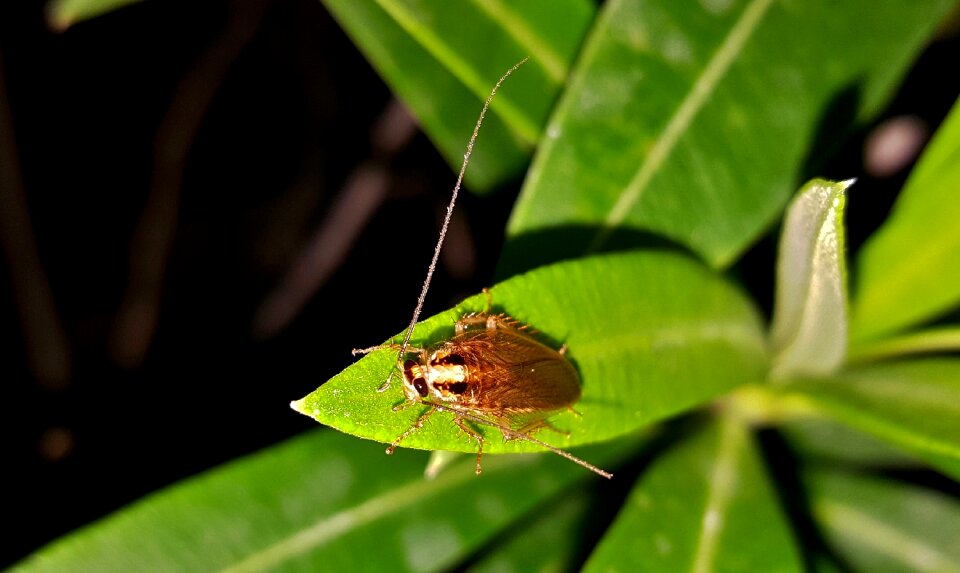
809,329
553,525
706,505
908,272
694,120
823,439
319,503
61,14
927,341
442,58
651,333
912,404
880,525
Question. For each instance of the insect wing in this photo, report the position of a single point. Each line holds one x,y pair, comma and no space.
511,372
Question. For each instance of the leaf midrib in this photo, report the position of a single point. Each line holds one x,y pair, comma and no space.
866,530
515,118
722,485
678,123
331,527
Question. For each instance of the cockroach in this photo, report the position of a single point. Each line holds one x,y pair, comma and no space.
493,371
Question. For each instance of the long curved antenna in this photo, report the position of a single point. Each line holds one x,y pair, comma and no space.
446,221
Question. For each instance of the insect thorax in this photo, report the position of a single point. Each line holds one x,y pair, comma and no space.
441,375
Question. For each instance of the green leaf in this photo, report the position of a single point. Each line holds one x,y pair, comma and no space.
930,340
694,120
809,331
908,271
828,441
314,503
652,334
912,404
61,14
442,58
880,525
555,524
706,505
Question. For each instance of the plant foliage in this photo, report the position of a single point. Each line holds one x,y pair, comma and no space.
674,134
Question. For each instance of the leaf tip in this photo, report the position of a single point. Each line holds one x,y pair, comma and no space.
299,406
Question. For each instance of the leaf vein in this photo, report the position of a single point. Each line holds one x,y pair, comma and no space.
695,99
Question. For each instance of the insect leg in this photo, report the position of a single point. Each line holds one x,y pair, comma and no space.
536,425
410,349
369,349
458,420
510,434
489,294
416,426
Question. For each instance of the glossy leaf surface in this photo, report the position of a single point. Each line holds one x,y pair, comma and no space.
442,58
651,333
311,504
882,525
705,505
809,331
694,120
912,404
909,271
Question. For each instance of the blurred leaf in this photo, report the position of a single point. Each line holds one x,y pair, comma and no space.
908,271
912,404
809,331
543,544
694,120
311,504
930,340
61,14
652,334
706,505
442,58
829,441
880,525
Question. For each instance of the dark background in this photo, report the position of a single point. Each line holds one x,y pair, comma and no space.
250,118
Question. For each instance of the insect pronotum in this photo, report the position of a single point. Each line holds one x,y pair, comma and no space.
492,372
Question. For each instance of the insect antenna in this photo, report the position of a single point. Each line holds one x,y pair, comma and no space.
446,221
513,435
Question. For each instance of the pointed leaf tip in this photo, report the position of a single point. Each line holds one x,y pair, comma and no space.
809,330
298,405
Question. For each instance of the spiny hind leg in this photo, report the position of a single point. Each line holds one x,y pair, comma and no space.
532,427
416,426
474,321
459,421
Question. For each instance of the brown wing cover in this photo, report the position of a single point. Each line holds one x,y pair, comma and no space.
511,373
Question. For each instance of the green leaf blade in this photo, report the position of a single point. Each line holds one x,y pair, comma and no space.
651,333
61,14
642,139
908,271
912,404
881,525
311,504
809,330
443,59
706,505
555,525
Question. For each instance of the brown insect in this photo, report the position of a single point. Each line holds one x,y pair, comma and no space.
492,372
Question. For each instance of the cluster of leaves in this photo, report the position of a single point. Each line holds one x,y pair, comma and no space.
684,122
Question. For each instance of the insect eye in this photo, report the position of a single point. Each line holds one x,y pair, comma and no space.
453,360
421,387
